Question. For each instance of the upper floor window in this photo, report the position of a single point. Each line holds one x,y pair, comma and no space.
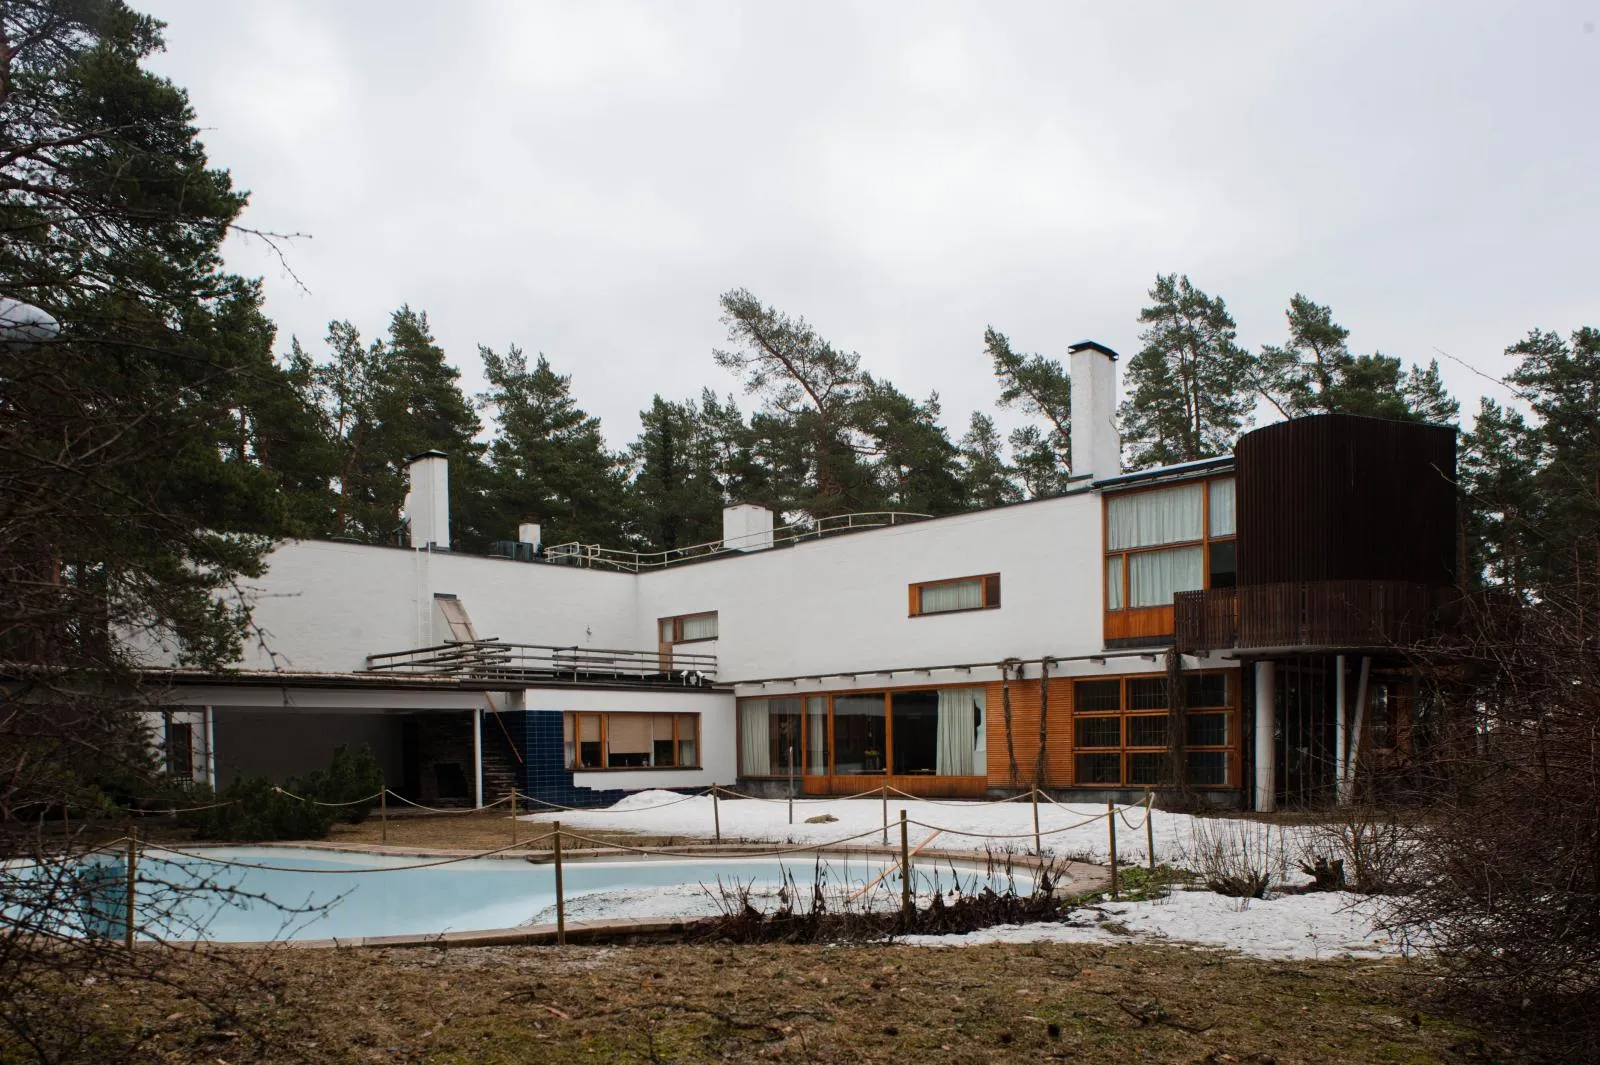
1167,540
687,628
962,593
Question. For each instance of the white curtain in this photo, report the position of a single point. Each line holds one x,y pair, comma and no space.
1145,519
957,595
1154,576
703,627
1222,513
755,756
1114,582
817,736
957,733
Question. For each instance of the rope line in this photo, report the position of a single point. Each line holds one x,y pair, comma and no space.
336,872
317,802
437,810
749,852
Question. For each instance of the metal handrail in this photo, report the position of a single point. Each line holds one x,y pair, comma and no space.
591,555
493,660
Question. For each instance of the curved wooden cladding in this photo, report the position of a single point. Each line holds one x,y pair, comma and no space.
1323,614
1138,623
1335,497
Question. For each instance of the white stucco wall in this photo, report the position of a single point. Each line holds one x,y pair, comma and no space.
718,757
840,604
323,607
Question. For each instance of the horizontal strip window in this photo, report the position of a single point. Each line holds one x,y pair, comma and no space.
687,628
907,732
962,593
631,741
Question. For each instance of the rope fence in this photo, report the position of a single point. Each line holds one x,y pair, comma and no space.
557,836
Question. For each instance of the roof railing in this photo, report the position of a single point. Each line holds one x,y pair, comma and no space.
592,556
514,663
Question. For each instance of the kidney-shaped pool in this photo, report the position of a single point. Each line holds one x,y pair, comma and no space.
239,894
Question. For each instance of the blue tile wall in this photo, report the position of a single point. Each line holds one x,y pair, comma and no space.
544,772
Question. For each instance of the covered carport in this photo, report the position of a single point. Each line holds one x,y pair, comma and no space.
426,733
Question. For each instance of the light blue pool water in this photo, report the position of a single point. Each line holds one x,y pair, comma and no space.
319,894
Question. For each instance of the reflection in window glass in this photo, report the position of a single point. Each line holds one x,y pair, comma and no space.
1088,695
1098,769
1208,768
1147,693
817,735
1207,730
859,733
1147,730
1099,732
1147,769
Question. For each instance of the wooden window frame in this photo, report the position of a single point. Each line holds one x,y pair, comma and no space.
678,735
1126,615
677,621
1124,750
989,589
831,768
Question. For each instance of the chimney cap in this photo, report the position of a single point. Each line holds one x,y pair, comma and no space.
1092,345
432,453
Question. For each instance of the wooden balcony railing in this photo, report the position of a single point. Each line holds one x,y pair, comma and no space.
1324,614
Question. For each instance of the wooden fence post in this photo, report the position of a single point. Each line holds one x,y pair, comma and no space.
561,901
133,884
1111,827
885,794
1150,830
716,810
513,816
905,872
383,812
1038,848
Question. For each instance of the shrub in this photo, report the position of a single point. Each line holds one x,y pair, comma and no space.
256,810
1237,858
1368,851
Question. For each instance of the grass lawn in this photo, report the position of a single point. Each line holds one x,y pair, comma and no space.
798,1004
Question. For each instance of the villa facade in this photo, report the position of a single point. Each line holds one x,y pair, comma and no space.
1236,628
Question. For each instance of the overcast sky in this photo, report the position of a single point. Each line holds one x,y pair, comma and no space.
584,179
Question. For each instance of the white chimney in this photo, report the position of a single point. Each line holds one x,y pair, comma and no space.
746,527
427,508
1096,443
528,533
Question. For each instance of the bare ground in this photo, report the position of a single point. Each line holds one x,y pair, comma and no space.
647,1004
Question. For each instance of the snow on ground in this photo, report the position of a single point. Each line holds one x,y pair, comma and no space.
1318,925
1068,830
1313,925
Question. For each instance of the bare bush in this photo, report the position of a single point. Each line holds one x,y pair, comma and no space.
1241,859
1508,873
1365,850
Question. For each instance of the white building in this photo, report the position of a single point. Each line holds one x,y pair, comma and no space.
984,652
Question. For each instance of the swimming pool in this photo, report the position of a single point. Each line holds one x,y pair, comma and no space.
225,894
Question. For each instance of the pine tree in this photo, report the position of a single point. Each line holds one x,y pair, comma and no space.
808,388
676,496
986,479
141,450
344,390
912,459
1498,458
1315,373
417,406
1189,387
548,459
1041,389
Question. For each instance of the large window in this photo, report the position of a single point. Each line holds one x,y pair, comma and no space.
948,597
1163,541
914,732
632,741
1121,731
